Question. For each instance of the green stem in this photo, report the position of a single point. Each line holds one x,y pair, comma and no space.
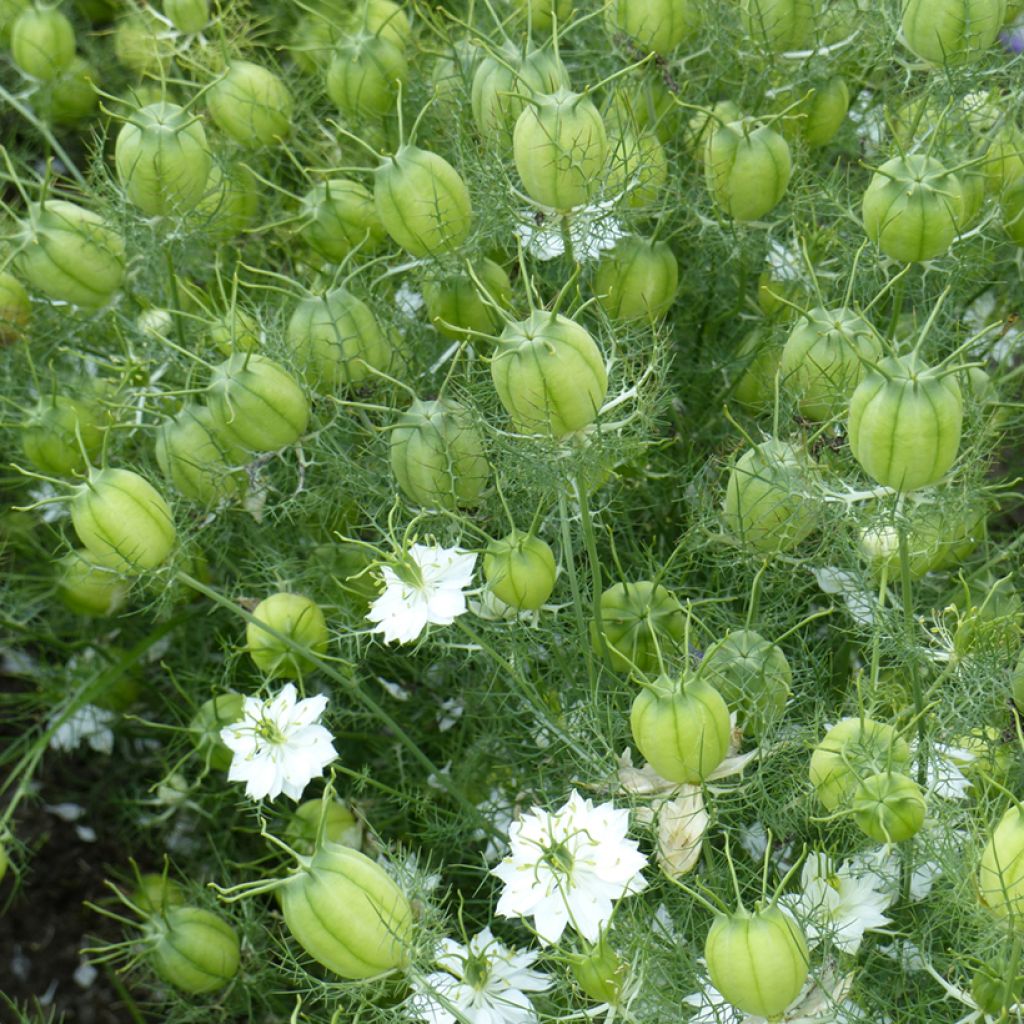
574,586
172,277
597,584
50,138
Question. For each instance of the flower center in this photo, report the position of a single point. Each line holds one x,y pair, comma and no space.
559,857
477,971
267,730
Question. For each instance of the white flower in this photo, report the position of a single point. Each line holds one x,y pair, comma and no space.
568,867
278,744
591,229
87,724
839,902
886,865
483,982
426,587
944,776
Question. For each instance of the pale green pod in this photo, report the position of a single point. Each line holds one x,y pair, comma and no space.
188,15
295,616
230,201
779,25
747,169
251,104
205,727
951,31
1001,871
143,45
818,116
637,167
658,25
61,434
338,215
638,621
889,807
340,826
364,75
235,331
89,585
70,97
520,570
1012,205
42,42
456,308
15,308
541,14
194,949
637,279
198,459
760,357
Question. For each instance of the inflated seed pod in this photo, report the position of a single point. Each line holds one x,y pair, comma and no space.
336,340
997,988
297,617
193,949
15,308
230,201
638,619
503,81
257,402
757,959
753,677
9,11
747,168
1012,205
199,459
251,104
188,15
705,123
455,306
340,826
162,159
42,42
681,727
338,215
118,515
61,434
438,456
764,504
213,715
658,25
823,360
90,585
951,31
311,42
70,254
364,75
142,43
235,331
1004,158
779,25
345,911
888,807
520,570
71,96
541,14
422,202
643,102
637,279
818,115
905,423
560,147
759,355
913,207
1001,870
155,893
637,166
599,971
549,374
851,750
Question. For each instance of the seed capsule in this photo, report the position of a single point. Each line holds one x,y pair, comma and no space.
541,13
142,44
888,807
340,826
199,459
338,215
636,280
251,104
230,202
658,25
600,972
298,618
194,949
549,375
89,585
637,166
520,570
779,25
638,620
817,117
155,893
1001,871
61,433
188,15
1013,211
15,308
71,96
760,357
747,168
455,306
235,331
951,31
42,42
363,78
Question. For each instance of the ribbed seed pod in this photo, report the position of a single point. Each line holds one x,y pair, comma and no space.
951,31
658,25
520,570
638,620
194,949
889,807
363,77
1001,871
455,306
747,168
637,166
817,117
230,201
438,455
295,616
15,308
251,104
42,42
188,15
637,280
540,14
195,455
90,585
61,433
338,215
779,25
214,715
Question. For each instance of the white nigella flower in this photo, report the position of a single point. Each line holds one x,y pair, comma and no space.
87,724
483,982
278,744
591,230
838,902
425,587
567,868
944,776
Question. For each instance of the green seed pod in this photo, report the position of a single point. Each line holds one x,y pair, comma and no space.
560,147
549,374
69,254
188,15
637,167
311,43
455,306
658,25
215,714
1004,158
851,750
422,202
338,215
299,619
15,308
600,972
905,422
230,201
70,97
154,894
61,434
162,160
637,279
1012,203
818,116
251,104
89,585
1001,871
340,826
681,728
765,505
759,961
347,914
888,807
42,42
753,677
760,356
541,14
705,123
638,620
142,44
995,990
643,102
119,516
822,361
363,78
194,949
257,402
198,459
438,455
747,168
779,25
235,331
520,570
913,208
504,81
337,341
945,32
9,11
1017,682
